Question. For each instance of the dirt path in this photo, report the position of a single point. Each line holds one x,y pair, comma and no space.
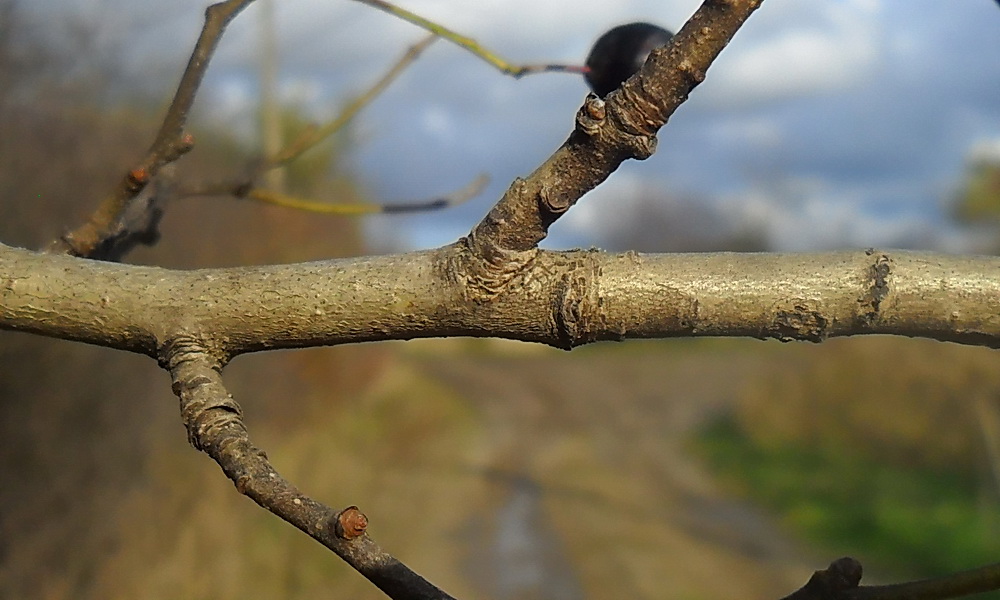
596,494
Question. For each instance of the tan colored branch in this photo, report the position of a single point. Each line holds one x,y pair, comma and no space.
563,299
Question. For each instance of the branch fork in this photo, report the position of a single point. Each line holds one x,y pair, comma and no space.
561,298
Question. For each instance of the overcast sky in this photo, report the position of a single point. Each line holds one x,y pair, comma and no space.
827,123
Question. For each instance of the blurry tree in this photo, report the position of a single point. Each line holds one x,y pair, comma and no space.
978,201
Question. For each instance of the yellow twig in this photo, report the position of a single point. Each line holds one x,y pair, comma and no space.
470,44
311,136
279,199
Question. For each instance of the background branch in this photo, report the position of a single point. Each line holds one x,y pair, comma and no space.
454,199
502,65
310,137
170,144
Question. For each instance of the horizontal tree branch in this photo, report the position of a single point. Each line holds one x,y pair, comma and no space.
563,299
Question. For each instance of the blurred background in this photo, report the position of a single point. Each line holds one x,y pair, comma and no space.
681,469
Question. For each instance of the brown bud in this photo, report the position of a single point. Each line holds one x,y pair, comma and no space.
350,523
137,178
591,115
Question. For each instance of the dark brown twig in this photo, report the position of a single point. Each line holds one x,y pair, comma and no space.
214,423
840,581
829,584
170,144
974,581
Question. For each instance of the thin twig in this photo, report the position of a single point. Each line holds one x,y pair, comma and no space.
214,423
314,135
170,144
504,66
458,197
311,136
975,581
840,581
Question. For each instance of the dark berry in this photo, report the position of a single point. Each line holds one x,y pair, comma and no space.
619,53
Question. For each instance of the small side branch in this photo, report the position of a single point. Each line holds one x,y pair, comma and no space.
310,137
214,423
246,186
171,143
608,132
461,196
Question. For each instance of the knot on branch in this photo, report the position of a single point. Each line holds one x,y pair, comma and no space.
350,523
487,273
802,322
637,119
876,287
591,115
183,350
574,301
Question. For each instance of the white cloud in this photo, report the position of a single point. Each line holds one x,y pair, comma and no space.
802,50
605,208
438,122
985,150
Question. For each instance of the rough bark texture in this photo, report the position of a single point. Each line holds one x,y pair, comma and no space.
563,299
